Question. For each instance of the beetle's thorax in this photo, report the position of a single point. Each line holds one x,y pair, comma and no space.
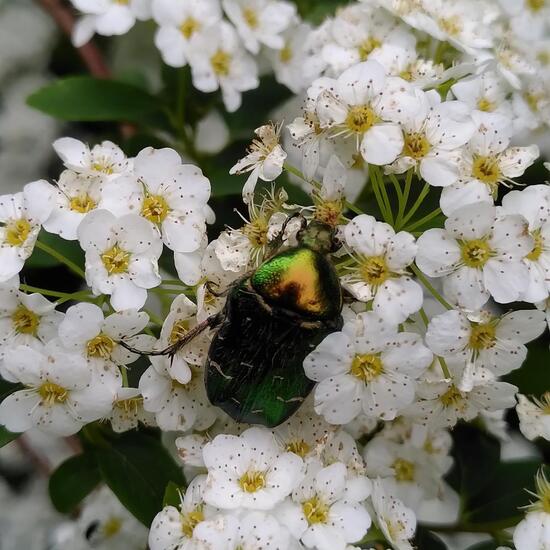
301,280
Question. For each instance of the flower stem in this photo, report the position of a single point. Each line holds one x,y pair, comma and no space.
58,256
405,199
430,287
81,294
417,204
378,195
424,220
173,282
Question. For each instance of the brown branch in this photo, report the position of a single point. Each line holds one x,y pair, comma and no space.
89,53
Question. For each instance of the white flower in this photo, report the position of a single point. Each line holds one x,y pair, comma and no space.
433,132
379,268
62,393
121,257
442,404
75,196
487,162
180,21
478,255
128,411
489,345
260,21
259,530
533,203
358,34
171,195
105,160
362,103
107,525
416,475
485,92
533,533
368,367
211,133
218,60
528,18
176,529
534,416
264,160
249,471
397,522
107,17
319,512
86,331
21,215
178,406
25,319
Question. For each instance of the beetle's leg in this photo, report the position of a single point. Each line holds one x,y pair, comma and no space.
216,293
171,350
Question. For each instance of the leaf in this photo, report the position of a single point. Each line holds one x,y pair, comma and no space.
6,436
137,468
73,480
502,497
477,455
426,540
534,376
84,98
172,495
7,388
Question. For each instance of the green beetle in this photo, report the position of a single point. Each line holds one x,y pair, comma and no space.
272,320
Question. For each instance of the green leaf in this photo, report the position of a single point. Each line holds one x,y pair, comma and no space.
503,496
137,468
7,388
6,436
172,495
84,98
426,540
534,376
477,455
73,480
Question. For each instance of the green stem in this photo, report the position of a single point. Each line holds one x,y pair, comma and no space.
406,194
423,279
124,373
173,282
58,256
416,205
377,194
424,220
172,291
81,294
384,193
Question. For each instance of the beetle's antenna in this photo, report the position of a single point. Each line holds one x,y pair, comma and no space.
171,350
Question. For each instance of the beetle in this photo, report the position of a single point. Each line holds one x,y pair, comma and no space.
273,318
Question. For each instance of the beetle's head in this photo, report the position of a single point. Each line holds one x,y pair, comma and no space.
318,236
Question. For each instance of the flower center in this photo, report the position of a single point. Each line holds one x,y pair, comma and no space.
252,481
360,119
544,402
452,397
485,105
486,169
189,27
538,247
191,520
256,231
366,47
82,204
482,336
329,212
179,330
103,165
533,101
25,321
250,17
17,232
129,406
404,470
542,493
112,527
451,25
100,347
416,145
374,270
475,253
51,393
298,447
315,510
116,260
535,5
366,367
285,55
155,208
220,62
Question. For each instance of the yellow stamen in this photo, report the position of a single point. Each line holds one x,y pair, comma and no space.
252,481
189,27
485,105
482,336
220,62
256,231
416,145
298,447
17,232
360,119
191,520
486,169
155,208
404,470
82,204
100,347
112,526
538,247
51,394
452,397
374,270
535,5
366,47
250,17
315,510
179,330
285,55
116,260
367,367
475,253
25,321
451,25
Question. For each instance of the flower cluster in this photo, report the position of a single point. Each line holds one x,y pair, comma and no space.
417,120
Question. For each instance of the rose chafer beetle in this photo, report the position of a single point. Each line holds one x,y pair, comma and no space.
273,318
